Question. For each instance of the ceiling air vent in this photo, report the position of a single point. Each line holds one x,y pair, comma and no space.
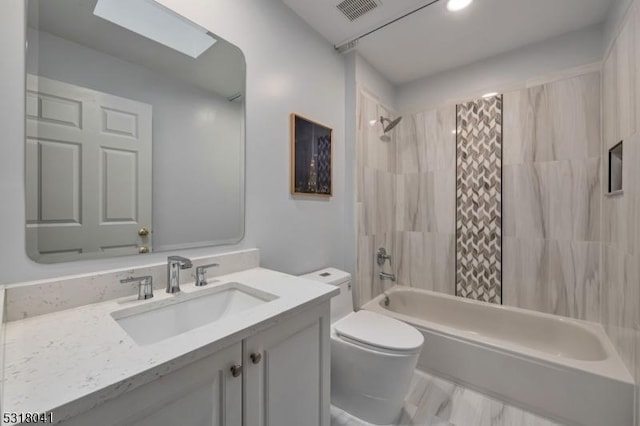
353,9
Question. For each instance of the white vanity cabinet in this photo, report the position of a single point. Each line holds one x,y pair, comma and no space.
287,370
204,393
278,376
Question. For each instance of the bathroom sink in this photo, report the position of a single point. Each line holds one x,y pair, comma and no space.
156,321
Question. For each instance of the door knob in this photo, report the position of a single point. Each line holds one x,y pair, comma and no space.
256,357
236,370
143,232
143,250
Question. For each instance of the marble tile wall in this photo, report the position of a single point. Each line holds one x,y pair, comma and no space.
405,198
552,197
375,194
425,185
620,292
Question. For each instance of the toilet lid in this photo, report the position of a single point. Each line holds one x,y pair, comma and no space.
380,331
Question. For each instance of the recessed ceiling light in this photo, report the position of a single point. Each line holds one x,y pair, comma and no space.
456,5
490,95
155,22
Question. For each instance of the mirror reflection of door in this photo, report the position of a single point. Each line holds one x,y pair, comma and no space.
89,172
97,68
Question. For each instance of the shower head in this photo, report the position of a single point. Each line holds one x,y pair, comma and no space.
391,124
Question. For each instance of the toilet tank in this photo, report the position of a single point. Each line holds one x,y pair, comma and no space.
342,304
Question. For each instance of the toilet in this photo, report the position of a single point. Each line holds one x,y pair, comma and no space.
373,357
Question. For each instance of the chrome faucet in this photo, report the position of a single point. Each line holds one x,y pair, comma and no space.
381,258
201,272
145,286
384,276
174,264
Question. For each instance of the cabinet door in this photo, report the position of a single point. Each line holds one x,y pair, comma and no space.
286,382
204,393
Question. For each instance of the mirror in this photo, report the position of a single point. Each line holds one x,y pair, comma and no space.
134,131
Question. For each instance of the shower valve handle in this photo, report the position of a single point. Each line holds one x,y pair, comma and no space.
382,256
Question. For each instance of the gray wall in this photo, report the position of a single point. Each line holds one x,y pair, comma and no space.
369,78
198,161
503,72
289,69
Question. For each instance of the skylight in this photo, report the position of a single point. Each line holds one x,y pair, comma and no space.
155,22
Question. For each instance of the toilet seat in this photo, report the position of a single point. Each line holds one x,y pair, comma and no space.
370,329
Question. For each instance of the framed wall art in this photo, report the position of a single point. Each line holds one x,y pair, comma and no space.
311,157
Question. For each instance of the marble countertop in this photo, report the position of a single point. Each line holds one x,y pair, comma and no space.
70,361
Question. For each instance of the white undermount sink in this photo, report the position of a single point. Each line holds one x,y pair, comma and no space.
156,321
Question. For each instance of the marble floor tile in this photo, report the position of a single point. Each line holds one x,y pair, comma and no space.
433,401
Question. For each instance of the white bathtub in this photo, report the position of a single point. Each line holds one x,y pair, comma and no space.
561,368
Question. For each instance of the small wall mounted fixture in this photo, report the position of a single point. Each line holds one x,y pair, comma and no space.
615,169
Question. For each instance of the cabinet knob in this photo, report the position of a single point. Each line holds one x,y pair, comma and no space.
236,370
143,232
256,357
143,250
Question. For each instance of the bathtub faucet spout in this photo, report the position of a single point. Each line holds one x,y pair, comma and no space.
384,276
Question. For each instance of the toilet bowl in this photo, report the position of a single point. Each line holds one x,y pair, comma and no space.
372,356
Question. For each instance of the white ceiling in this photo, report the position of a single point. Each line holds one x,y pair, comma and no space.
434,40
221,69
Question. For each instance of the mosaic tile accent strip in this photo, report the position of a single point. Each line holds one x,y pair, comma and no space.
479,200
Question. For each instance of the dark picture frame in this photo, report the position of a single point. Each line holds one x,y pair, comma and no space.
311,157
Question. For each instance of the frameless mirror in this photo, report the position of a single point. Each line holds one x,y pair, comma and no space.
134,131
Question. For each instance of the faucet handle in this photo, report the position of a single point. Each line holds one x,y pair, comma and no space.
201,271
382,256
145,286
182,262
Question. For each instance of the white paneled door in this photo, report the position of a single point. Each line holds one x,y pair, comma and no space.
88,163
